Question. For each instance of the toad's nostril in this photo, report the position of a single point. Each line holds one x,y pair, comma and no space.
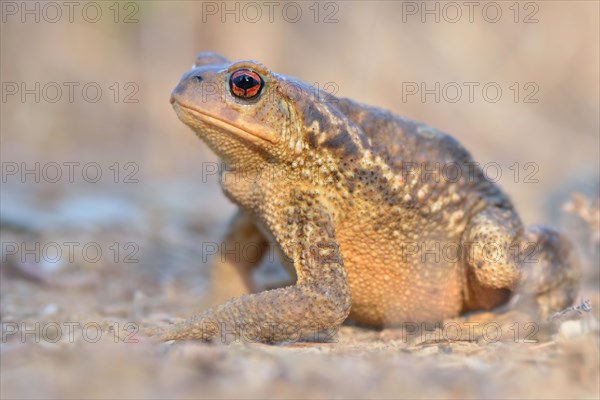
199,78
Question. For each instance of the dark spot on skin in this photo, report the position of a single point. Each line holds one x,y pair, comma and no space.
338,140
342,140
312,140
351,148
313,114
351,187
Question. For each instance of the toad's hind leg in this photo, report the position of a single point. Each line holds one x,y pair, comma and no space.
550,271
241,252
538,265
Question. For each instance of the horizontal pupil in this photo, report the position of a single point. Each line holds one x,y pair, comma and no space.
245,82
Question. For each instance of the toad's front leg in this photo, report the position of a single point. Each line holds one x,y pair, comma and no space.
319,300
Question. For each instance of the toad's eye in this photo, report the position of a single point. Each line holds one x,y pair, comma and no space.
245,83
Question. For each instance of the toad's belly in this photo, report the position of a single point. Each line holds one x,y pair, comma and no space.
392,289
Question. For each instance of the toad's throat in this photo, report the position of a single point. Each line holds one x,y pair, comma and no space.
240,131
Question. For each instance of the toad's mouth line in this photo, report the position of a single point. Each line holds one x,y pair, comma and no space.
237,130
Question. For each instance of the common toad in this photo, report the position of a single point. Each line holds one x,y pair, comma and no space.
384,219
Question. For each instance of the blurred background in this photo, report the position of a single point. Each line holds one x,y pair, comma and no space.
108,200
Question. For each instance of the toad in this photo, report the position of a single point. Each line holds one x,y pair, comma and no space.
384,220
